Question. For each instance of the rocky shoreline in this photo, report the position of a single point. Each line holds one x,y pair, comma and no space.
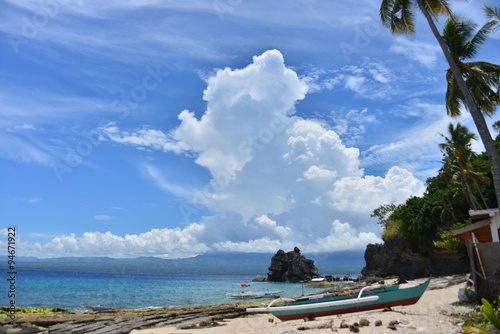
123,321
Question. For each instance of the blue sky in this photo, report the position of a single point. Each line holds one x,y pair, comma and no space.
177,128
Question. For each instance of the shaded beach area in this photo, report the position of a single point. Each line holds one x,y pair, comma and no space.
434,313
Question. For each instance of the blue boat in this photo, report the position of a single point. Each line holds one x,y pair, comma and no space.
368,298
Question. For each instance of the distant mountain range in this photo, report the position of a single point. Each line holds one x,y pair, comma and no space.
336,264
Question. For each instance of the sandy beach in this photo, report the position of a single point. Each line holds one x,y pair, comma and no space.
432,314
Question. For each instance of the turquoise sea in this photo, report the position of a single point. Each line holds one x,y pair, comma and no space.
75,290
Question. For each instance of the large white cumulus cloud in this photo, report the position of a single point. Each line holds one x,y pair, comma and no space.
277,180
245,110
397,183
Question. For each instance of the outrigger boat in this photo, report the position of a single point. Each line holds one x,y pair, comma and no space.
368,298
255,294
320,283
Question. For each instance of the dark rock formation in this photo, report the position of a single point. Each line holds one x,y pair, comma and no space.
260,279
291,267
121,322
21,329
395,258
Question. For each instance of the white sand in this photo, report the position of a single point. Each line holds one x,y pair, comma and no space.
432,314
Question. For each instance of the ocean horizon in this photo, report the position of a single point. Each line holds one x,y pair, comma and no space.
77,291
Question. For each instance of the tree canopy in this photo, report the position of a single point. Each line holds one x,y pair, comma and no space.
423,221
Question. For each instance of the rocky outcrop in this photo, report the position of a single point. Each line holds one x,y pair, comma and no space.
396,258
121,322
291,267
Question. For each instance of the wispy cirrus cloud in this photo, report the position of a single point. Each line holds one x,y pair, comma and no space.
95,30
370,80
24,126
146,138
103,217
31,200
25,150
422,52
416,148
351,124
156,175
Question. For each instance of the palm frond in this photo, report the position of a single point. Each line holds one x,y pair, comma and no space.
485,76
385,12
489,69
454,96
480,37
482,81
398,16
407,17
481,78
457,32
493,13
471,42
437,7
483,72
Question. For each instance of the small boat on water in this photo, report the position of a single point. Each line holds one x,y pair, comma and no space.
255,294
320,283
327,285
368,298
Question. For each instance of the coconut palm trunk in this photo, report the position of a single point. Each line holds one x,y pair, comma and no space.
471,104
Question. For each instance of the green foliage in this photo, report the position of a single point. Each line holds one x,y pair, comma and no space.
475,322
415,218
490,317
399,16
445,204
448,241
391,231
462,167
383,213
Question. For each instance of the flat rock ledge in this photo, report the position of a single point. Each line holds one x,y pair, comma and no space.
123,322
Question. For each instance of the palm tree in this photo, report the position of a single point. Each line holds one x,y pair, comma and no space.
458,163
446,208
399,16
482,78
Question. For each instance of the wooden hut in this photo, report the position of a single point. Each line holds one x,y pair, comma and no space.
482,239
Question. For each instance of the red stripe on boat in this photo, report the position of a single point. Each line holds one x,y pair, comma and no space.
403,302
